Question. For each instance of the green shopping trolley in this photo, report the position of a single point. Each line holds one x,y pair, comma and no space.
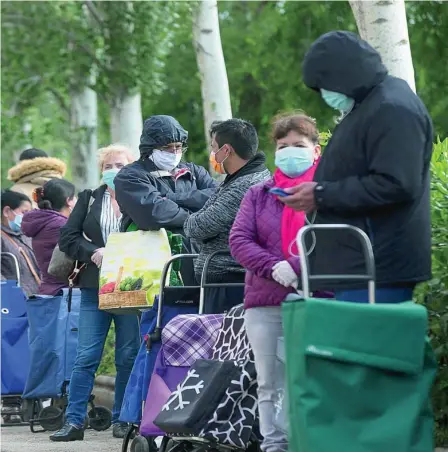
358,376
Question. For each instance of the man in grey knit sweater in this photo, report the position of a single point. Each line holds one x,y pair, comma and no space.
234,146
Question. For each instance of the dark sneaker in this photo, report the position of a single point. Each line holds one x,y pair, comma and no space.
68,433
120,429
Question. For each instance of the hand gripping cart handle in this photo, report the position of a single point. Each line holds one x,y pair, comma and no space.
206,285
368,277
16,265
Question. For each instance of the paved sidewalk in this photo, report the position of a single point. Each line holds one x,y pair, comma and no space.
20,439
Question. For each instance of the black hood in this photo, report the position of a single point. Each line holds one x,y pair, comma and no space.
341,61
160,130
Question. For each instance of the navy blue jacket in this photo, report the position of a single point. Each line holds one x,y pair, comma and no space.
375,169
153,199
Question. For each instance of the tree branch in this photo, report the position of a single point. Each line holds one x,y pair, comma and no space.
94,12
60,98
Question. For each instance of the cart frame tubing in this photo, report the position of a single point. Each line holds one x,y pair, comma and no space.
16,265
165,270
205,284
368,276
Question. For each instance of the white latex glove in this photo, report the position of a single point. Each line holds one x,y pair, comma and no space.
284,274
97,257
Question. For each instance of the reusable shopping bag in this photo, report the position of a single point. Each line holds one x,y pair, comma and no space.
358,376
132,268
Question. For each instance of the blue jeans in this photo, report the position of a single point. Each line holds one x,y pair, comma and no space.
384,295
93,328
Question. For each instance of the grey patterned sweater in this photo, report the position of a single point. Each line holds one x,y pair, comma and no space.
212,224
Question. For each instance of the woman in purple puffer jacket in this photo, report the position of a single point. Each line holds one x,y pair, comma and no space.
55,200
262,240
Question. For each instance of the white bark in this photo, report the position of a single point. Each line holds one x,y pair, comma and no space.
126,121
383,25
84,111
211,64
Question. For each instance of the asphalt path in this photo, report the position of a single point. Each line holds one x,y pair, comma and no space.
20,439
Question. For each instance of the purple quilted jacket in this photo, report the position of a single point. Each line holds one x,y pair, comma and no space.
43,226
255,242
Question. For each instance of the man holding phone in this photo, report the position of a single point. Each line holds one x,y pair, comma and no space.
374,173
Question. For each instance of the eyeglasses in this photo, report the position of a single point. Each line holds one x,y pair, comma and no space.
174,149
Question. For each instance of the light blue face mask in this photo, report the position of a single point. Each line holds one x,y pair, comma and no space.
293,161
16,224
109,177
338,101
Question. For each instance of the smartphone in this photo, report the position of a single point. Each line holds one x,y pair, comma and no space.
278,192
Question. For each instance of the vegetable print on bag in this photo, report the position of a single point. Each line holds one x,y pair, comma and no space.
132,268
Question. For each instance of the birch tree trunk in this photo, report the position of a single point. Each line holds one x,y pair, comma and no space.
84,115
126,122
211,64
383,25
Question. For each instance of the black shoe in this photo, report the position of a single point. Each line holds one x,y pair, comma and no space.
68,433
120,429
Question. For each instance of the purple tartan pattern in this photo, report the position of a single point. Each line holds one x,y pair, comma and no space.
189,337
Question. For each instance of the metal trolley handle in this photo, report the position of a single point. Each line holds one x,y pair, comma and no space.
369,276
16,265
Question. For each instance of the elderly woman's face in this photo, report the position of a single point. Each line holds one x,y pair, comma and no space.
115,161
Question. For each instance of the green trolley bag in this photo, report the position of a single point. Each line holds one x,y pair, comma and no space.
359,376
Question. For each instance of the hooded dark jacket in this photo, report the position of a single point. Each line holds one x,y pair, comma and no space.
374,173
152,198
43,227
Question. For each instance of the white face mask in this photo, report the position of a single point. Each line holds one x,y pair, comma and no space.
165,160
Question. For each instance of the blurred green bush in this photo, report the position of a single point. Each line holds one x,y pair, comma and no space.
434,294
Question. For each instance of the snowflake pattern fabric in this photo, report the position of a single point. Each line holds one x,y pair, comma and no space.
236,417
188,338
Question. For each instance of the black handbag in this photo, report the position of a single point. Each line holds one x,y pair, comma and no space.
195,400
62,266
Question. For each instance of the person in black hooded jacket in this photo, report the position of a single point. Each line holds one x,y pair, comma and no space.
374,173
158,190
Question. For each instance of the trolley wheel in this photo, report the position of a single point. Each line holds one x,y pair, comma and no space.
167,444
100,418
51,418
130,434
140,444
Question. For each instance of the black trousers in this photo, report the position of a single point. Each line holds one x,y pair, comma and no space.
221,299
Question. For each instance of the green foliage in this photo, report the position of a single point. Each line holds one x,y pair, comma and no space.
49,49
435,294
428,34
107,366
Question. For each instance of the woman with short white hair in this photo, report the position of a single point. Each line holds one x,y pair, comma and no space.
83,238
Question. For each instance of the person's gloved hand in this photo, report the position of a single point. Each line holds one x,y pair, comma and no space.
284,274
97,257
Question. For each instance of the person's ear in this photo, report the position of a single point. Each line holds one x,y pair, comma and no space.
317,151
6,211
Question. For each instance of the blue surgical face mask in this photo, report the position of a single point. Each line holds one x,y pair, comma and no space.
109,177
16,224
293,161
338,101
